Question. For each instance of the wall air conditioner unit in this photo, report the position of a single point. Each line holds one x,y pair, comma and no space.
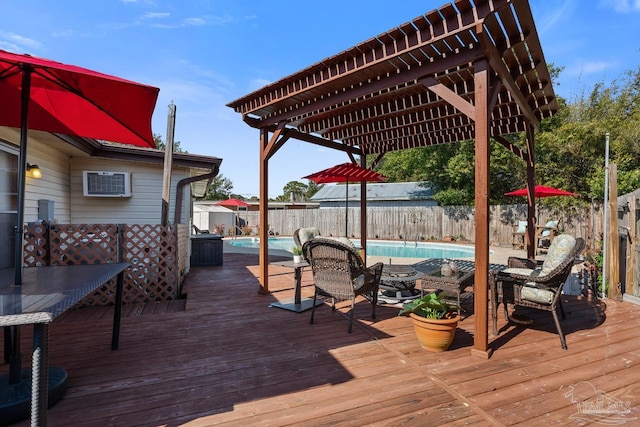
106,184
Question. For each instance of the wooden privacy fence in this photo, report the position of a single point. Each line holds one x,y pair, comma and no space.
435,223
157,256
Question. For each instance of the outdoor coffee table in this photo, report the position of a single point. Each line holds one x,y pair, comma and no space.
454,284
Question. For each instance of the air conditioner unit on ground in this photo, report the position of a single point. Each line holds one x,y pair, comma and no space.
106,184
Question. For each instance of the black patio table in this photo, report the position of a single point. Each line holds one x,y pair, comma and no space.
46,293
297,303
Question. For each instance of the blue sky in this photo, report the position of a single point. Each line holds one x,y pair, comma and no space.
203,54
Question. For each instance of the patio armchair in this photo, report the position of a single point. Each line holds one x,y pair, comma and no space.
528,283
339,273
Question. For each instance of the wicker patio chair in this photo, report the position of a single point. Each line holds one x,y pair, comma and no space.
531,284
340,273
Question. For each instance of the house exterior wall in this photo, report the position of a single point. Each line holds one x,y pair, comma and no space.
54,184
143,207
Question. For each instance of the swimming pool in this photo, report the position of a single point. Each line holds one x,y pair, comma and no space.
378,248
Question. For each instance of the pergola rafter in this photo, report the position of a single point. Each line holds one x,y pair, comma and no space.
470,70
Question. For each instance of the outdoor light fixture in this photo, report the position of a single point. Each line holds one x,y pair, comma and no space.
34,171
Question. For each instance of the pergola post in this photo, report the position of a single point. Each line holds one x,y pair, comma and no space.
531,241
363,212
481,289
264,213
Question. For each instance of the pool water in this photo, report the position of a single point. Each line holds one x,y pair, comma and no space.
378,248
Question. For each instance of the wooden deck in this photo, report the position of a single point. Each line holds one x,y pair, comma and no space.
226,358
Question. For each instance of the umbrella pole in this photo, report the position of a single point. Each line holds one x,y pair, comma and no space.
15,357
346,215
22,171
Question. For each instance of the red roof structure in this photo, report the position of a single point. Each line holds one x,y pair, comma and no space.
345,172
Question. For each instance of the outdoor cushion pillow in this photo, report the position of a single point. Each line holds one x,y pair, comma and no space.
344,241
547,232
558,252
307,233
522,271
534,294
522,227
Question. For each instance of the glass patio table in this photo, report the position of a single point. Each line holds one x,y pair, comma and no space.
45,293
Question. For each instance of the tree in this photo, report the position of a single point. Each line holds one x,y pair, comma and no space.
312,188
220,188
294,191
160,145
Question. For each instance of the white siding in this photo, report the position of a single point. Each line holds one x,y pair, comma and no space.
54,184
143,207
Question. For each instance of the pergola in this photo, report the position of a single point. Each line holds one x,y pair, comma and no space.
468,70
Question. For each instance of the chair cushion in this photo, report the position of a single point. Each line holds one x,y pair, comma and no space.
533,294
307,233
521,271
549,224
522,227
344,241
558,252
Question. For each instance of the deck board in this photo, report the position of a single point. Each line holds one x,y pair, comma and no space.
222,356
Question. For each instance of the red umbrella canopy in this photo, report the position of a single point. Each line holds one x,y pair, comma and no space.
541,191
75,101
233,203
345,172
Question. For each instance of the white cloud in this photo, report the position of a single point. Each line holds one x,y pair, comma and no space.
593,67
256,84
621,6
19,41
193,22
64,33
155,15
584,69
9,47
555,14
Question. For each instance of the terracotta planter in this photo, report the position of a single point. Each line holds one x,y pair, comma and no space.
435,334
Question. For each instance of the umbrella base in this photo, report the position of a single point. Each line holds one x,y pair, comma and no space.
15,399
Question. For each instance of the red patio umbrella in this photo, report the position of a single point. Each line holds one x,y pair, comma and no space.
233,203
49,96
71,100
541,191
345,172
40,94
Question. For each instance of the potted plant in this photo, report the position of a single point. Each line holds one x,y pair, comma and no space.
434,320
297,254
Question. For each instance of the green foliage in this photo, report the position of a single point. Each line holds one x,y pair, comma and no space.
569,151
160,145
220,189
297,250
431,306
312,189
294,191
